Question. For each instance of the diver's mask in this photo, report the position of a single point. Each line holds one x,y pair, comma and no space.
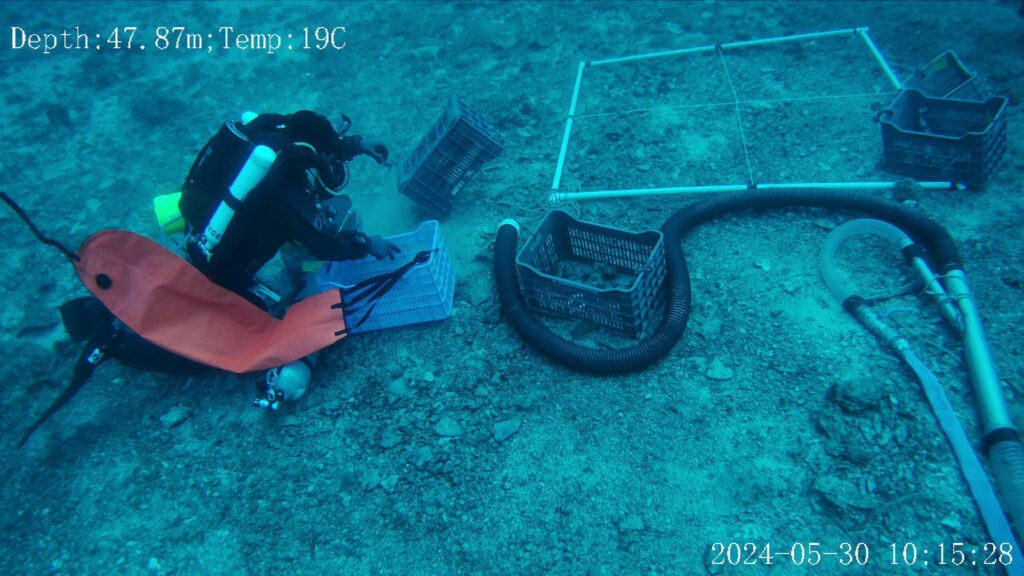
342,126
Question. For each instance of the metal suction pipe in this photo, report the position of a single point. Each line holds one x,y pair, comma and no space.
1002,442
995,414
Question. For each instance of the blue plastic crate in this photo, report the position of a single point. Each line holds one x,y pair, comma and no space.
425,292
451,152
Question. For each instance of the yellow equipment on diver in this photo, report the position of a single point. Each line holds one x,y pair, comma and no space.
167,213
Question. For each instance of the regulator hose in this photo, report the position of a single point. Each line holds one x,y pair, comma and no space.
677,279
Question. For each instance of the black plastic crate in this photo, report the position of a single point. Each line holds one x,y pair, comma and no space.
947,77
454,149
943,139
580,270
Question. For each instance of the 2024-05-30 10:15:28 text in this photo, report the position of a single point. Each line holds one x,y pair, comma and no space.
859,553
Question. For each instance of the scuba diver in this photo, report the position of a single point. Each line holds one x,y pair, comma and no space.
296,197
258,184
299,199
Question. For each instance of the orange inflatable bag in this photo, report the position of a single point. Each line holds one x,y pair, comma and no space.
171,304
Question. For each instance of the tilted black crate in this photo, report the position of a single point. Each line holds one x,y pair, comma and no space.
942,139
947,77
454,149
575,269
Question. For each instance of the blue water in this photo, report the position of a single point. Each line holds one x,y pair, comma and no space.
450,447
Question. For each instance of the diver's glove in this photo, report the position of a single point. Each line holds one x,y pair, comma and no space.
349,147
375,150
380,248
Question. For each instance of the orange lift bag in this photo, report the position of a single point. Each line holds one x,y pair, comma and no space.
171,304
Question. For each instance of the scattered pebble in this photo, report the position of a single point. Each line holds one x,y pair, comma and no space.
719,371
843,494
504,38
397,390
824,224
504,430
153,565
389,483
952,523
853,396
330,408
710,328
447,426
850,447
175,416
371,481
422,457
428,376
763,264
901,434
390,438
633,523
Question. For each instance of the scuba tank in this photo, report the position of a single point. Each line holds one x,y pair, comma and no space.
224,172
220,159
251,174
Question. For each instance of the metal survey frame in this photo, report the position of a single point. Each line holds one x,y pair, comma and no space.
558,196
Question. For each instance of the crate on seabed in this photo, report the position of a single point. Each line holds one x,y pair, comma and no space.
581,270
447,157
423,294
947,77
944,139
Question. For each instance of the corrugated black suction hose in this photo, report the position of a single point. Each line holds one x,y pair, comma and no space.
677,281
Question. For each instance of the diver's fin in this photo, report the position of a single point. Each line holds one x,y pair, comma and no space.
91,357
135,351
83,316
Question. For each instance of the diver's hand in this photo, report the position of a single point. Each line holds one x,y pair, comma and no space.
380,248
375,150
